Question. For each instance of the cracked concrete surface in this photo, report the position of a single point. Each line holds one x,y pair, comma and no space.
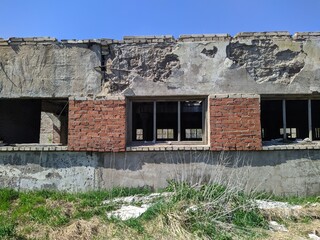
261,65
152,62
265,62
54,70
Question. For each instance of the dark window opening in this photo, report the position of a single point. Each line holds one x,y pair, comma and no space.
142,121
28,121
166,121
297,119
271,119
20,121
315,106
301,119
191,120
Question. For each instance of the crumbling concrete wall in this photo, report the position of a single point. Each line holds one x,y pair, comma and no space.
125,63
261,63
43,67
280,172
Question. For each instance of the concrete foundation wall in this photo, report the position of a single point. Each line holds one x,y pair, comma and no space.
281,172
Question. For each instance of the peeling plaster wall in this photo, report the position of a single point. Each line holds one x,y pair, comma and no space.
268,65
261,63
280,172
127,63
265,61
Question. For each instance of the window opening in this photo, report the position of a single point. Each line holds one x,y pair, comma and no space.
139,134
315,113
167,121
297,119
20,121
293,119
142,120
271,119
33,121
167,118
291,132
191,120
165,134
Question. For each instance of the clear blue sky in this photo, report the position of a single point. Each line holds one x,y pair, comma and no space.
85,19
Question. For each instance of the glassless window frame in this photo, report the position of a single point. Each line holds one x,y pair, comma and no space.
288,123
178,139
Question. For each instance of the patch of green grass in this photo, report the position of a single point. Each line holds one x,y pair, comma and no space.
248,218
51,217
160,207
136,224
7,196
7,230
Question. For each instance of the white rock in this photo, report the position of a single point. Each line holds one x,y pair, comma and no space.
314,236
127,212
261,204
276,227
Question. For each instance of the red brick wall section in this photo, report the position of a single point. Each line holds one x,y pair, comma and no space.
97,125
235,124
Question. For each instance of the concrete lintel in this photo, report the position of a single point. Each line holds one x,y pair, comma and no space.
79,98
109,98
156,148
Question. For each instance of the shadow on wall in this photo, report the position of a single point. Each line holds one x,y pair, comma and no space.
135,161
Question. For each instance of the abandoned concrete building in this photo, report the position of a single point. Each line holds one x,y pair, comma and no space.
91,114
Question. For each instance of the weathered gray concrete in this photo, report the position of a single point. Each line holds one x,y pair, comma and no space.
49,70
256,63
261,63
294,172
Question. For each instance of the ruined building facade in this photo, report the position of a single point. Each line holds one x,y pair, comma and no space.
157,94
